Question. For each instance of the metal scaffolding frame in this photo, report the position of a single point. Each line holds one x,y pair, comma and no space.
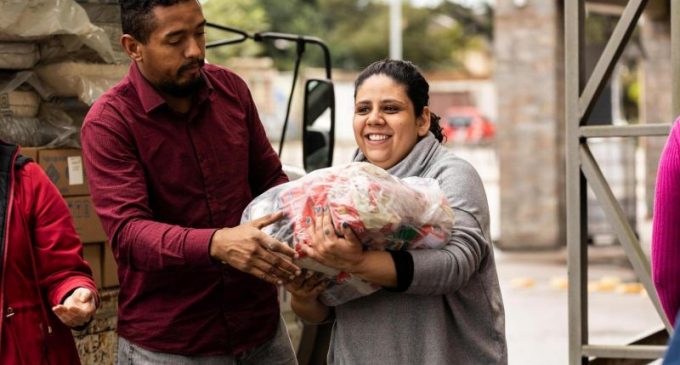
582,168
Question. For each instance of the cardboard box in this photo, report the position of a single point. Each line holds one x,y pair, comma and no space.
31,152
109,269
65,168
85,219
92,253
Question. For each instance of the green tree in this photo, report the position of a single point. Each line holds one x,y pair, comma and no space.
356,31
242,14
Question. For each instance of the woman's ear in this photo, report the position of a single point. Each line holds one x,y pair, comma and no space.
423,122
132,47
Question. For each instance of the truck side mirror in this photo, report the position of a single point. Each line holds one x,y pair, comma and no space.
318,128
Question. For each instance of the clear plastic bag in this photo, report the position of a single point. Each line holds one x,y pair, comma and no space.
86,81
22,81
385,213
52,128
18,55
24,20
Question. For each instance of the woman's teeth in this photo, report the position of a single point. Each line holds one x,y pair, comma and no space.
377,137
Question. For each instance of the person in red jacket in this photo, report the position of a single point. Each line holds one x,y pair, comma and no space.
46,288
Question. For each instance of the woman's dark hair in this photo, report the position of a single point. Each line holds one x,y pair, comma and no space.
137,17
407,74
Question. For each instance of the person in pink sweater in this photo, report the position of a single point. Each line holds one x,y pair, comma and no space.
666,228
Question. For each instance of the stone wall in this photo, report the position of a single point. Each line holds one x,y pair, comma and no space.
98,343
528,50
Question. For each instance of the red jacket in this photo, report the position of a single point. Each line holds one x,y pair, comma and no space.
41,264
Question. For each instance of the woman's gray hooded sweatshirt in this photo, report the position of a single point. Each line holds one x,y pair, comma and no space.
452,313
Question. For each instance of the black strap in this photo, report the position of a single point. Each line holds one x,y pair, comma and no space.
7,153
21,161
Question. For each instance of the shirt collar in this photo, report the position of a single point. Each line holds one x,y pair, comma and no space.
151,99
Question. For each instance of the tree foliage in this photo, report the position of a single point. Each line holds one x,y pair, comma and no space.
356,31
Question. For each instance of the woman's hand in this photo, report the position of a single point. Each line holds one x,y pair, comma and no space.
347,254
344,253
307,287
78,308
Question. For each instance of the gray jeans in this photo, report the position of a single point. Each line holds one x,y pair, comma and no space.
276,351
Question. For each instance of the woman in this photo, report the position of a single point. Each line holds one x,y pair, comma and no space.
47,287
666,235
438,306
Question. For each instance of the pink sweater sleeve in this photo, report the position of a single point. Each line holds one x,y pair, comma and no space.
666,227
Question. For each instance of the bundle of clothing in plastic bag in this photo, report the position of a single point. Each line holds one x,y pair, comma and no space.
384,212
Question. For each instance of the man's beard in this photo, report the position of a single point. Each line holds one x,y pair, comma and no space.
187,89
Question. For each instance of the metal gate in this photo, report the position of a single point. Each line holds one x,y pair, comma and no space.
582,169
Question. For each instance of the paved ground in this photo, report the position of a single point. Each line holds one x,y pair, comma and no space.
536,316
535,304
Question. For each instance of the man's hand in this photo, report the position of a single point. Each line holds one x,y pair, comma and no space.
250,250
307,286
78,308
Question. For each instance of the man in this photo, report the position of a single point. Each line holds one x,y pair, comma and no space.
47,287
173,152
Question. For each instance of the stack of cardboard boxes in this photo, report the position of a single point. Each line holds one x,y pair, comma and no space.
65,168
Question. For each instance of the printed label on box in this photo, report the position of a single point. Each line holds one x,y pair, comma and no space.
75,170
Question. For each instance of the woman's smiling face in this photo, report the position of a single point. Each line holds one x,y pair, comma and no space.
385,125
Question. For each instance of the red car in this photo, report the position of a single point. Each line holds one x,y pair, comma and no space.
465,124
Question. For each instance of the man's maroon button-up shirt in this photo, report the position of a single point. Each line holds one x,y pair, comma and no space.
162,183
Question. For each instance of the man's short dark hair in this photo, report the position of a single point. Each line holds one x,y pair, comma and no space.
137,16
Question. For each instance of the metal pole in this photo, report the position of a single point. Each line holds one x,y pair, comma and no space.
675,55
574,11
395,30
579,99
620,225
611,54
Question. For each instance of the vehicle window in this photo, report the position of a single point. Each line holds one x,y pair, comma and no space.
459,121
